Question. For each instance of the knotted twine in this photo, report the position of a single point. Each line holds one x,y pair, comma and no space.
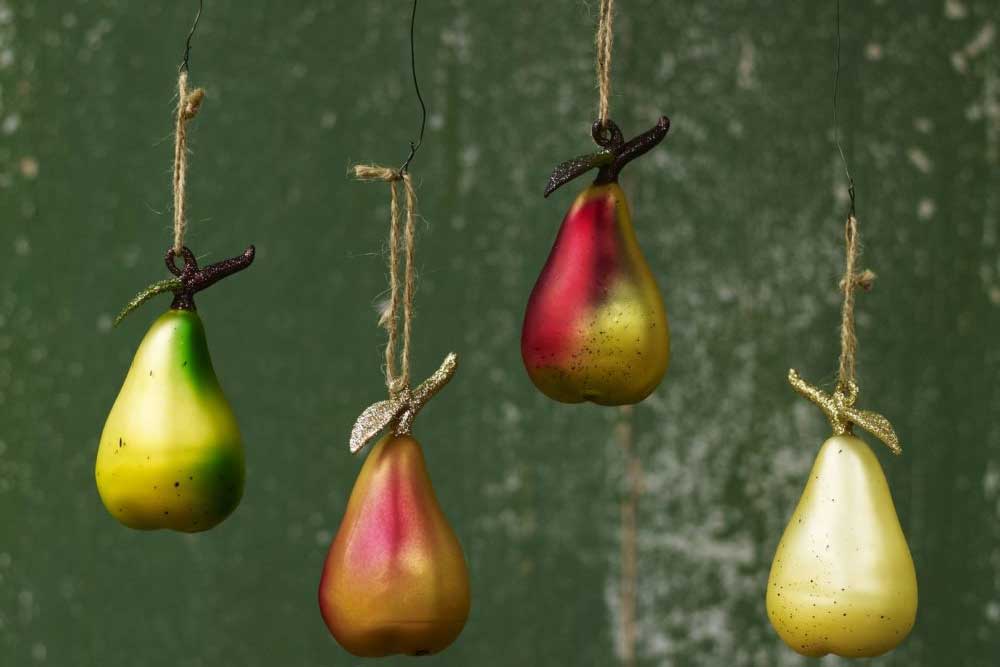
389,318
848,284
629,503
839,406
603,43
188,104
400,410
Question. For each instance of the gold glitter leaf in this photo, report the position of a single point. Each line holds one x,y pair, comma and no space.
399,412
839,409
877,425
375,418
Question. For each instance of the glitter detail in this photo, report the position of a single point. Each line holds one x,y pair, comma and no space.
839,409
399,411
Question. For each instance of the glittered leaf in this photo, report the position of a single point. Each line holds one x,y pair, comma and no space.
877,425
425,392
570,169
839,409
145,295
371,422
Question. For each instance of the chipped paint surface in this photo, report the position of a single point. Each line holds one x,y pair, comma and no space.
738,214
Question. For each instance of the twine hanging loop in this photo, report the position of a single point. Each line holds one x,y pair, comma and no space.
839,406
403,404
188,104
603,43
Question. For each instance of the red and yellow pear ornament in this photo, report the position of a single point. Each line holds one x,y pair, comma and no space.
395,579
595,328
842,580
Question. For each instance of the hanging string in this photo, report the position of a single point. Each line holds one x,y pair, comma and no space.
851,281
838,406
628,583
188,103
404,402
414,147
603,43
395,381
836,120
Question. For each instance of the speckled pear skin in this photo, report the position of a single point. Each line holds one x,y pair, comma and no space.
171,455
395,579
843,580
595,327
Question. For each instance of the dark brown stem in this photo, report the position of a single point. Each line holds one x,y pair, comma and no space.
194,280
632,149
612,159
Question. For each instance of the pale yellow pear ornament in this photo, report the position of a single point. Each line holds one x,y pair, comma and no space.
842,580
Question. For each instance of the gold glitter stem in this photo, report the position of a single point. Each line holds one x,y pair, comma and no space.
839,409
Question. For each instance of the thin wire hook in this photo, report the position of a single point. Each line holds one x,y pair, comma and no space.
416,86
187,45
836,121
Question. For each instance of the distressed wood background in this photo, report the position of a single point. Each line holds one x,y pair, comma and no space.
739,213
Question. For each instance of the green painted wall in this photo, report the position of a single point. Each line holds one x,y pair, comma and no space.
739,213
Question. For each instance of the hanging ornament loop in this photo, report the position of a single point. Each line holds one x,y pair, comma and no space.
607,134
603,42
193,279
633,148
188,279
399,411
612,159
839,406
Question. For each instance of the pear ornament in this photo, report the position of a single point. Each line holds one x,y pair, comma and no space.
395,579
842,580
171,454
595,327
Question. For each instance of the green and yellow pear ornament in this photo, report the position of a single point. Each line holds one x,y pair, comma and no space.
843,580
171,455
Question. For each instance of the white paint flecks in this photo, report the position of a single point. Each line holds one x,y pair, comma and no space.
979,44
745,66
919,159
873,51
29,167
923,125
22,246
955,9
39,652
926,208
10,123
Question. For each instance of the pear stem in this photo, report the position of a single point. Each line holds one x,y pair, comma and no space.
630,150
840,411
400,410
615,153
193,279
